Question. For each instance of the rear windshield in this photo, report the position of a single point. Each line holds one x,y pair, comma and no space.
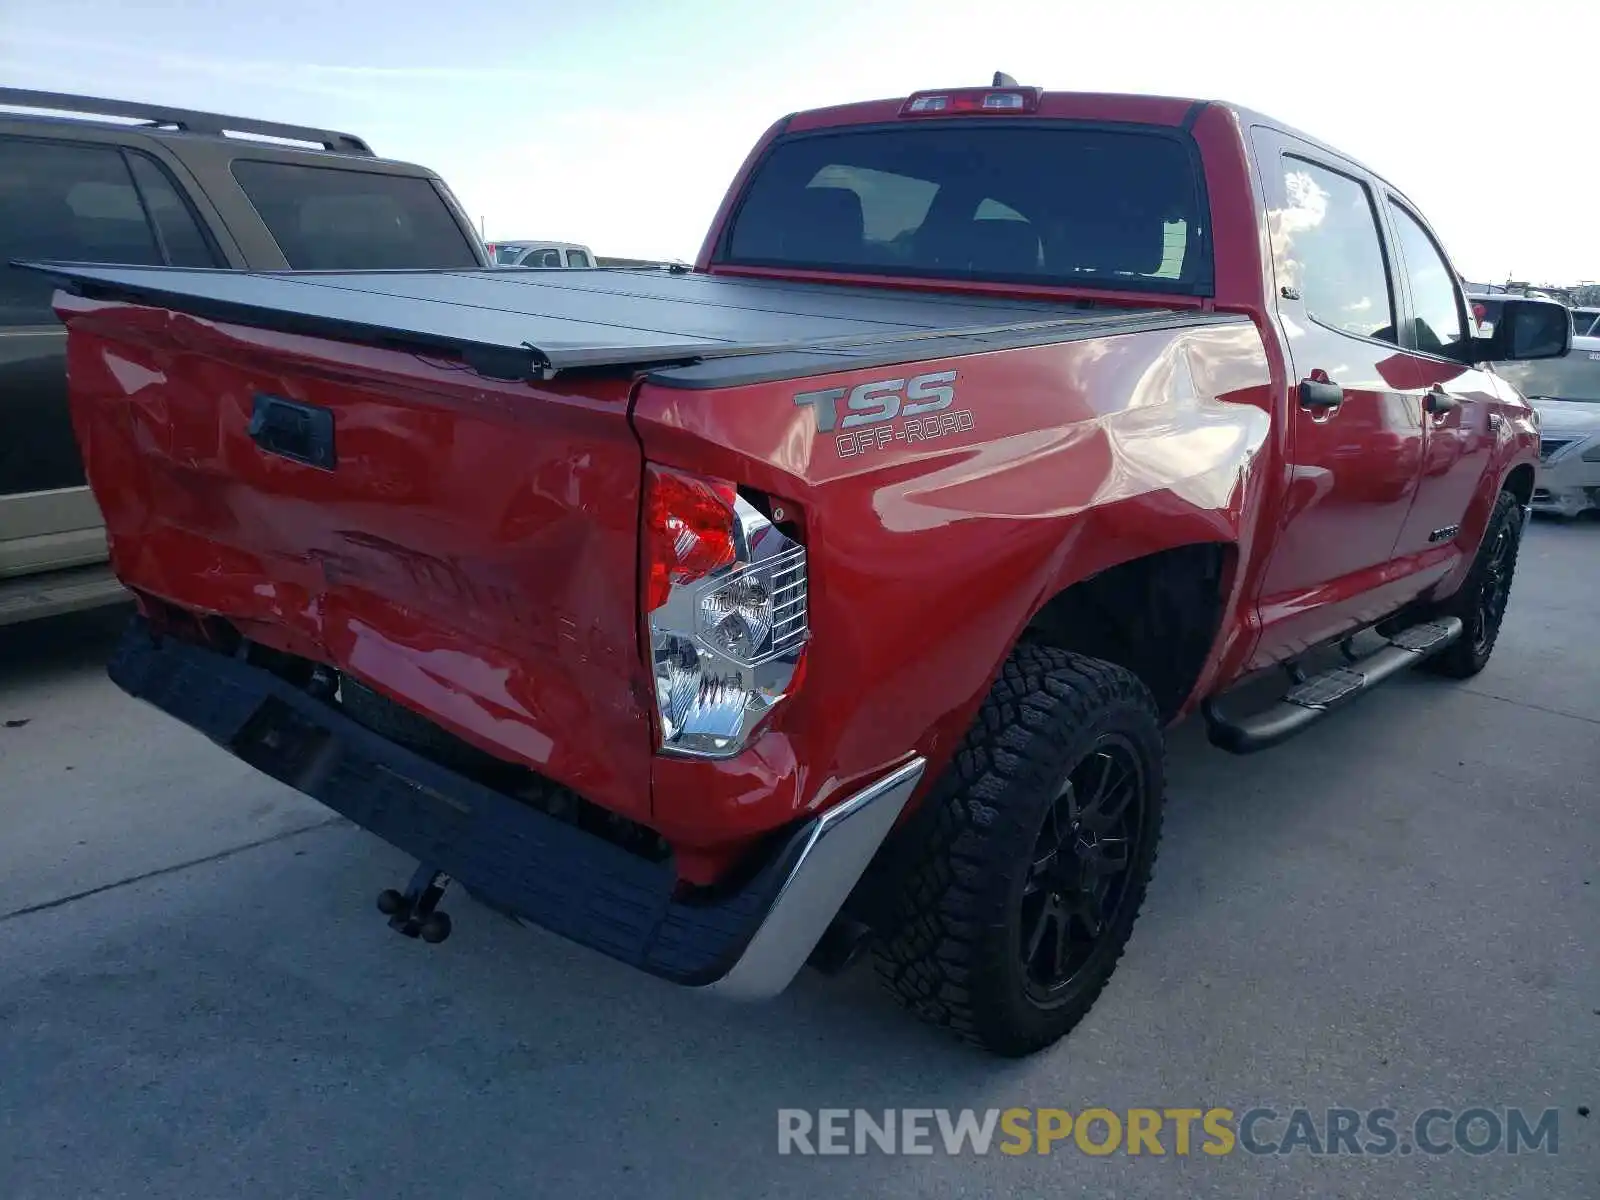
1575,377
335,219
1048,204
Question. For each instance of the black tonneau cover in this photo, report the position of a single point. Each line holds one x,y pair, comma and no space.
537,322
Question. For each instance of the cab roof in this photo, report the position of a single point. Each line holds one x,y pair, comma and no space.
1112,107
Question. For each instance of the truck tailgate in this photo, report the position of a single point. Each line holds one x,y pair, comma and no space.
464,545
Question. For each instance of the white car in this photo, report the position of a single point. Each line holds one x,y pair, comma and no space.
540,254
1566,393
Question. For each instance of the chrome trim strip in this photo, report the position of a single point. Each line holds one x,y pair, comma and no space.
842,843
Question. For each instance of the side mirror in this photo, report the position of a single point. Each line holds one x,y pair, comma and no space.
1527,329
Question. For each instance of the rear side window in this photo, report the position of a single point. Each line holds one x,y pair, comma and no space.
64,201
334,219
1325,238
577,258
1049,204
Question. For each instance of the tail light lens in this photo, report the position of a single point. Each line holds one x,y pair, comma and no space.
689,531
725,601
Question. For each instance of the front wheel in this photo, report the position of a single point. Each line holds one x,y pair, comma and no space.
1014,890
1481,602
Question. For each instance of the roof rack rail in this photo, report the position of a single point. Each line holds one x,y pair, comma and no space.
182,119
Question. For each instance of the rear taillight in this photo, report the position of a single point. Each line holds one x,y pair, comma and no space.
725,601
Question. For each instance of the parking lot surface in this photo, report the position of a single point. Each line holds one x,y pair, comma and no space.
1400,909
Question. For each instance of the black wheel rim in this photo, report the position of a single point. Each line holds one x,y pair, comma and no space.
1078,878
1493,591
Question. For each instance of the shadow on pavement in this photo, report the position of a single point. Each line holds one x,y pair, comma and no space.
33,651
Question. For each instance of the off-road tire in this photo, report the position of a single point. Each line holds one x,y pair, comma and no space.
1470,652
948,943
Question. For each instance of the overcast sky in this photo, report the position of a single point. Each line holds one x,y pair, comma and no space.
619,122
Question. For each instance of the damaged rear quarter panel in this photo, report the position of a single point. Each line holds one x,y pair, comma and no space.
932,544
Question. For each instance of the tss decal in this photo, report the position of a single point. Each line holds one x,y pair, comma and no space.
881,400
871,409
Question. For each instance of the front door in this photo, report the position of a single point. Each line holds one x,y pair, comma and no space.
1355,437
1456,401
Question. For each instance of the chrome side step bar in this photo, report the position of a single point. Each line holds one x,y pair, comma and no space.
1314,698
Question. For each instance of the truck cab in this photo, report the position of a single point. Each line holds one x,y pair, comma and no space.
540,254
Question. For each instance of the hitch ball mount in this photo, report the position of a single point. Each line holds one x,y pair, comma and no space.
415,912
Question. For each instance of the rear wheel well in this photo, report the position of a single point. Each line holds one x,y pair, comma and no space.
1520,483
1156,616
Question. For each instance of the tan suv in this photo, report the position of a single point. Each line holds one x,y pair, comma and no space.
107,181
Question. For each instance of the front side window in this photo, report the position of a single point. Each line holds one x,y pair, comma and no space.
1486,312
1040,203
1325,239
338,219
1436,308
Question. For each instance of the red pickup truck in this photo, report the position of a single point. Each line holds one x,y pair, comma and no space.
834,595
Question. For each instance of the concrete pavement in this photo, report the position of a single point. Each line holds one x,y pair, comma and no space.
197,997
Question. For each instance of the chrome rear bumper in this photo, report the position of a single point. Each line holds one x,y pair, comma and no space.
840,844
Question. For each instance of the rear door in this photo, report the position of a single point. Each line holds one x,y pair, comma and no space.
1355,435
1455,402
74,200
